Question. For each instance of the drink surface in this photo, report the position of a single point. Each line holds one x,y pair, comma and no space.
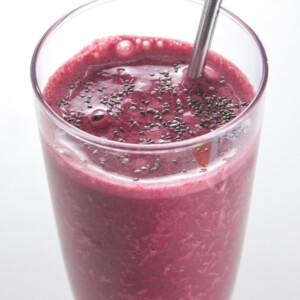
155,225
136,90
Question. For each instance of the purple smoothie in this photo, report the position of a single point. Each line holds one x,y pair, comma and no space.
156,224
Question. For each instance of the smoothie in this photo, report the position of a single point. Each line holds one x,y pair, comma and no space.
157,224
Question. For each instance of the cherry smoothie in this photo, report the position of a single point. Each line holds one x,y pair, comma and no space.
154,224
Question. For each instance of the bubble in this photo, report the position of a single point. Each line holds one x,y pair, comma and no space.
97,115
96,55
124,48
159,44
146,45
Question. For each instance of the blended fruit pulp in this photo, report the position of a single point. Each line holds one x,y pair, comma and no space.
149,225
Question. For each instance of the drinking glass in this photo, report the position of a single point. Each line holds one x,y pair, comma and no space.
160,221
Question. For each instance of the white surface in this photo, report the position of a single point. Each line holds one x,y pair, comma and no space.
30,261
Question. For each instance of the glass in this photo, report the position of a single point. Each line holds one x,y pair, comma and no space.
175,234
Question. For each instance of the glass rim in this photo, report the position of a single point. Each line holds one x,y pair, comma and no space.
92,139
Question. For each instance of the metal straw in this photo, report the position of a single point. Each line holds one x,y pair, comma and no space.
204,36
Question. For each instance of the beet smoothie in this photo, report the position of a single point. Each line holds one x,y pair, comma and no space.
157,224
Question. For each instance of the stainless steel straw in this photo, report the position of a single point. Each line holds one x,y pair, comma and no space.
204,36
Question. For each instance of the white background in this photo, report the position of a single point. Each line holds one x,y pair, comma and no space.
31,267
